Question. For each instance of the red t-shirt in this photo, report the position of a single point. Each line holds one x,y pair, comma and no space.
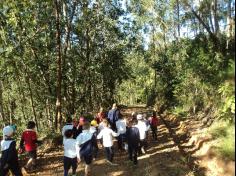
154,121
30,138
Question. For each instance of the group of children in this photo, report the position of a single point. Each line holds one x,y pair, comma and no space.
131,135
80,142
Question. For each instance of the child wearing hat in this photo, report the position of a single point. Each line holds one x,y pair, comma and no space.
143,128
9,159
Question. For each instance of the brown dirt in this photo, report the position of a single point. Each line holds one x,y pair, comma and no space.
198,147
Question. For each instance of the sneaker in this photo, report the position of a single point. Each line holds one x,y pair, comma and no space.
143,151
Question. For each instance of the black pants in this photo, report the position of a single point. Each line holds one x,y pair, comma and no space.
121,140
13,167
133,153
69,162
109,151
95,151
154,132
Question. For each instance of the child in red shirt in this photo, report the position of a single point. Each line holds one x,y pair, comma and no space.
29,144
154,122
100,115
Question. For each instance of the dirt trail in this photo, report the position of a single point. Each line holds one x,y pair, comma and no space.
163,158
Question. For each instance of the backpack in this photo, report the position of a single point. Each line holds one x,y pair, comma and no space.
154,122
86,149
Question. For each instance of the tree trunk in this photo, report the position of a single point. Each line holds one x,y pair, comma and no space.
48,114
32,103
211,22
22,98
178,18
213,37
58,117
229,27
2,115
216,22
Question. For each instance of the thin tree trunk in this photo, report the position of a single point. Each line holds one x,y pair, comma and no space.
2,115
216,22
67,44
9,109
48,114
58,118
206,27
229,27
211,22
178,17
32,102
22,98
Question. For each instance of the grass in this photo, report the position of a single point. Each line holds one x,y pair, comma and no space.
179,112
224,133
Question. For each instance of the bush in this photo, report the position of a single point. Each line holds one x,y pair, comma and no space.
224,133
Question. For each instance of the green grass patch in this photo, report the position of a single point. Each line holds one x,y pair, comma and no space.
224,133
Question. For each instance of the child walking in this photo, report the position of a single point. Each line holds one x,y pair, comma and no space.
68,126
85,144
121,129
133,139
154,121
70,156
143,128
94,130
107,135
29,143
9,158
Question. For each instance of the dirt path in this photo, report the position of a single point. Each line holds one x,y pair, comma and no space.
162,159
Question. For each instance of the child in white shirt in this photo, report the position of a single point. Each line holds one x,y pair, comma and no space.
70,157
143,128
107,137
85,144
121,129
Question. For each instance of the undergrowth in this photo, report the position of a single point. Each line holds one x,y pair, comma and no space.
224,133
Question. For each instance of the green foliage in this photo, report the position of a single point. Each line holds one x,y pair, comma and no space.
224,134
227,109
227,95
93,49
179,112
137,89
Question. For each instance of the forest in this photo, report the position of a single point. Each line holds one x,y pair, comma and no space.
63,58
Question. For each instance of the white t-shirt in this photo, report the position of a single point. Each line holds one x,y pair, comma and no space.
121,126
142,127
107,136
69,148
